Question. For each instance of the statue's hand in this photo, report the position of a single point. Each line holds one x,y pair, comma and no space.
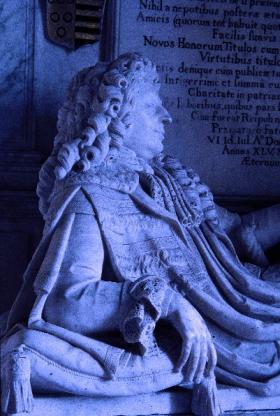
198,356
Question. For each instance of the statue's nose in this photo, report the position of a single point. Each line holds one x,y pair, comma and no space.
165,116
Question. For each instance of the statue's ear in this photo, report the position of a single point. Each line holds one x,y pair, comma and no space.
72,23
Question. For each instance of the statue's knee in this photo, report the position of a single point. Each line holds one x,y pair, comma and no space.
17,394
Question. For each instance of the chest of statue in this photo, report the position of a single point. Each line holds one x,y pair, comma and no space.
138,241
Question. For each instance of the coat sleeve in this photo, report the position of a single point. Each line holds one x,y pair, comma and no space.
249,233
228,220
72,294
266,225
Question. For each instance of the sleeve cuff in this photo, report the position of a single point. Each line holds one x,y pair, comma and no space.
143,303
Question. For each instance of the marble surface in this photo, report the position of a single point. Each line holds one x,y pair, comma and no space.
32,83
54,66
16,29
164,403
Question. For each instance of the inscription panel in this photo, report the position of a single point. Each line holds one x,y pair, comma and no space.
219,63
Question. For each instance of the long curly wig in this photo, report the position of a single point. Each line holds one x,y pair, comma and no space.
94,118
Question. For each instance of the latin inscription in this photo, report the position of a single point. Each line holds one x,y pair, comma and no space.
220,65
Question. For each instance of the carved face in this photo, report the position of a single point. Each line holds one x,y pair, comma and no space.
148,119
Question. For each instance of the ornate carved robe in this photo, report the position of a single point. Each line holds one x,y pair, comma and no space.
67,319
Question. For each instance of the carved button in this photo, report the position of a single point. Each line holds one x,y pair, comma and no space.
54,17
61,32
67,17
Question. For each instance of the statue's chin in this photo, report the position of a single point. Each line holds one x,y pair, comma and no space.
155,153
146,153
151,159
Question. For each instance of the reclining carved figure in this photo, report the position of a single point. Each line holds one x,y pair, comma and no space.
140,282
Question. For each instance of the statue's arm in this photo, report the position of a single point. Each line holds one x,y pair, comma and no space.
252,234
85,298
266,225
228,220
132,308
81,301
242,236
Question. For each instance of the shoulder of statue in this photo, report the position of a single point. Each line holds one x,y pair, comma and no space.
115,177
67,200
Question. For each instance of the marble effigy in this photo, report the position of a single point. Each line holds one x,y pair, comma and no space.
140,282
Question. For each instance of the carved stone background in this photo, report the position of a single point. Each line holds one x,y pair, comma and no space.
34,75
223,127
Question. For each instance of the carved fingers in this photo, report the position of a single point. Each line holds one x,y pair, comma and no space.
212,359
201,365
184,357
198,355
193,362
198,358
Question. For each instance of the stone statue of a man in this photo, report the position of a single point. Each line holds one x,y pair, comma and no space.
140,281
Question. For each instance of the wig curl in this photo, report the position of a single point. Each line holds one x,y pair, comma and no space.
94,118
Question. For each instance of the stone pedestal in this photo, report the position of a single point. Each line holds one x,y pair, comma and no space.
233,402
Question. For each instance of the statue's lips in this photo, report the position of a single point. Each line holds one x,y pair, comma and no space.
161,133
209,208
